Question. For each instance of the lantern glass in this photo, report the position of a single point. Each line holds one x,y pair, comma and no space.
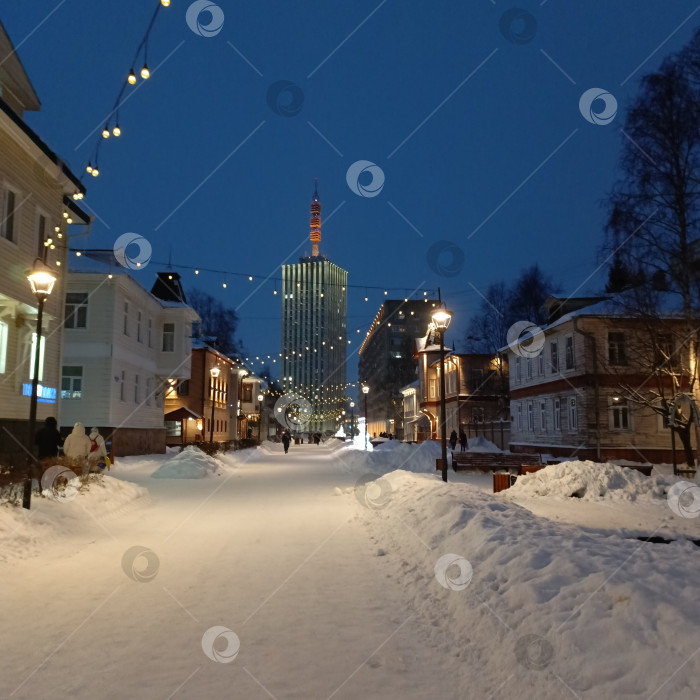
365,389
41,279
215,372
441,319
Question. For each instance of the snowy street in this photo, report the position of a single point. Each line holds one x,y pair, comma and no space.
332,591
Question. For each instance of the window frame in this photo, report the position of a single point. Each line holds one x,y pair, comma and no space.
166,333
14,217
69,394
78,310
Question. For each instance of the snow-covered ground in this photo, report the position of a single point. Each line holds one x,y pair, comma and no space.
335,572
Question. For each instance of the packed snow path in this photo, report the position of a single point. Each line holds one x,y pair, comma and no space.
280,577
267,551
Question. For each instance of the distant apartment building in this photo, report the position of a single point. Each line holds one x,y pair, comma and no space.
388,361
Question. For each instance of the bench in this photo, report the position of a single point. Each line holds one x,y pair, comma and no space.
492,461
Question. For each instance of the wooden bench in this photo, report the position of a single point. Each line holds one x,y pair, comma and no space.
492,461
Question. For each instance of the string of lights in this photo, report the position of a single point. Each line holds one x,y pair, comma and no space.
112,127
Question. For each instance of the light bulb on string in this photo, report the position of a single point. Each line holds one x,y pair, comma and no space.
165,3
105,132
89,167
145,73
131,79
117,131
95,171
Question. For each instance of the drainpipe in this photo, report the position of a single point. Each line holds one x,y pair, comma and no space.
596,388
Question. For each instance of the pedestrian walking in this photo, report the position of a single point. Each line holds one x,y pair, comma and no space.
453,440
285,441
463,440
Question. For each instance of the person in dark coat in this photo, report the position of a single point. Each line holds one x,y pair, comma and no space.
453,440
285,441
463,440
48,439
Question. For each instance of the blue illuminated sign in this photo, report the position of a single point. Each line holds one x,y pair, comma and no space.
44,394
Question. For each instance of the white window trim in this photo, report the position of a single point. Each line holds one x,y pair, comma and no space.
4,335
16,220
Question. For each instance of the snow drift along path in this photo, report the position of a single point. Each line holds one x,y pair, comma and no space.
264,549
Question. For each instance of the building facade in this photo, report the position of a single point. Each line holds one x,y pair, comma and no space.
314,332
123,348
37,208
569,400
388,361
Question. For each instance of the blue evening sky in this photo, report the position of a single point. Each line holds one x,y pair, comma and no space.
475,126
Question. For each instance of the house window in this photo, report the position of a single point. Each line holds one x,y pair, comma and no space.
540,364
150,333
122,386
666,356
126,318
529,367
433,389
519,416
8,220
617,349
76,310
477,378
138,327
72,382
149,390
543,415
518,370
569,353
248,393
619,413
573,417
557,414
173,428
3,346
40,234
530,417
136,388
32,357
477,415
183,387
168,337
554,356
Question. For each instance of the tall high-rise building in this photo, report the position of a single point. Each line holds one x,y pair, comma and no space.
314,329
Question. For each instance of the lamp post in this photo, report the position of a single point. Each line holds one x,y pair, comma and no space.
41,281
214,372
352,420
441,321
365,391
260,400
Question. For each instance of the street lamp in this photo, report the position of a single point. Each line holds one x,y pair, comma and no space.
352,420
260,400
41,281
441,321
365,391
214,372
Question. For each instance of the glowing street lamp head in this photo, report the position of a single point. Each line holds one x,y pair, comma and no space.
365,389
41,279
441,319
215,372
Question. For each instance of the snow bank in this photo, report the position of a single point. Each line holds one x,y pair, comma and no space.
481,444
391,455
191,463
24,533
514,601
591,481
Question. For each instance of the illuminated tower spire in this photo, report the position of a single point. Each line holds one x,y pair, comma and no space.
315,233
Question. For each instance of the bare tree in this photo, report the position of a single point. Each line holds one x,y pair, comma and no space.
218,324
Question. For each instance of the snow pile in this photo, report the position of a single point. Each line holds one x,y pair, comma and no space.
481,444
591,481
392,455
25,533
557,606
191,463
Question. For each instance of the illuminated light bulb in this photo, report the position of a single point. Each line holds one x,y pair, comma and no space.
58,262
89,168
170,277
250,278
275,292
224,285
109,276
196,272
132,77
366,299
105,133
165,3
117,131
52,246
77,253
60,235
95,172
145,73
56,228
65,214
69,220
